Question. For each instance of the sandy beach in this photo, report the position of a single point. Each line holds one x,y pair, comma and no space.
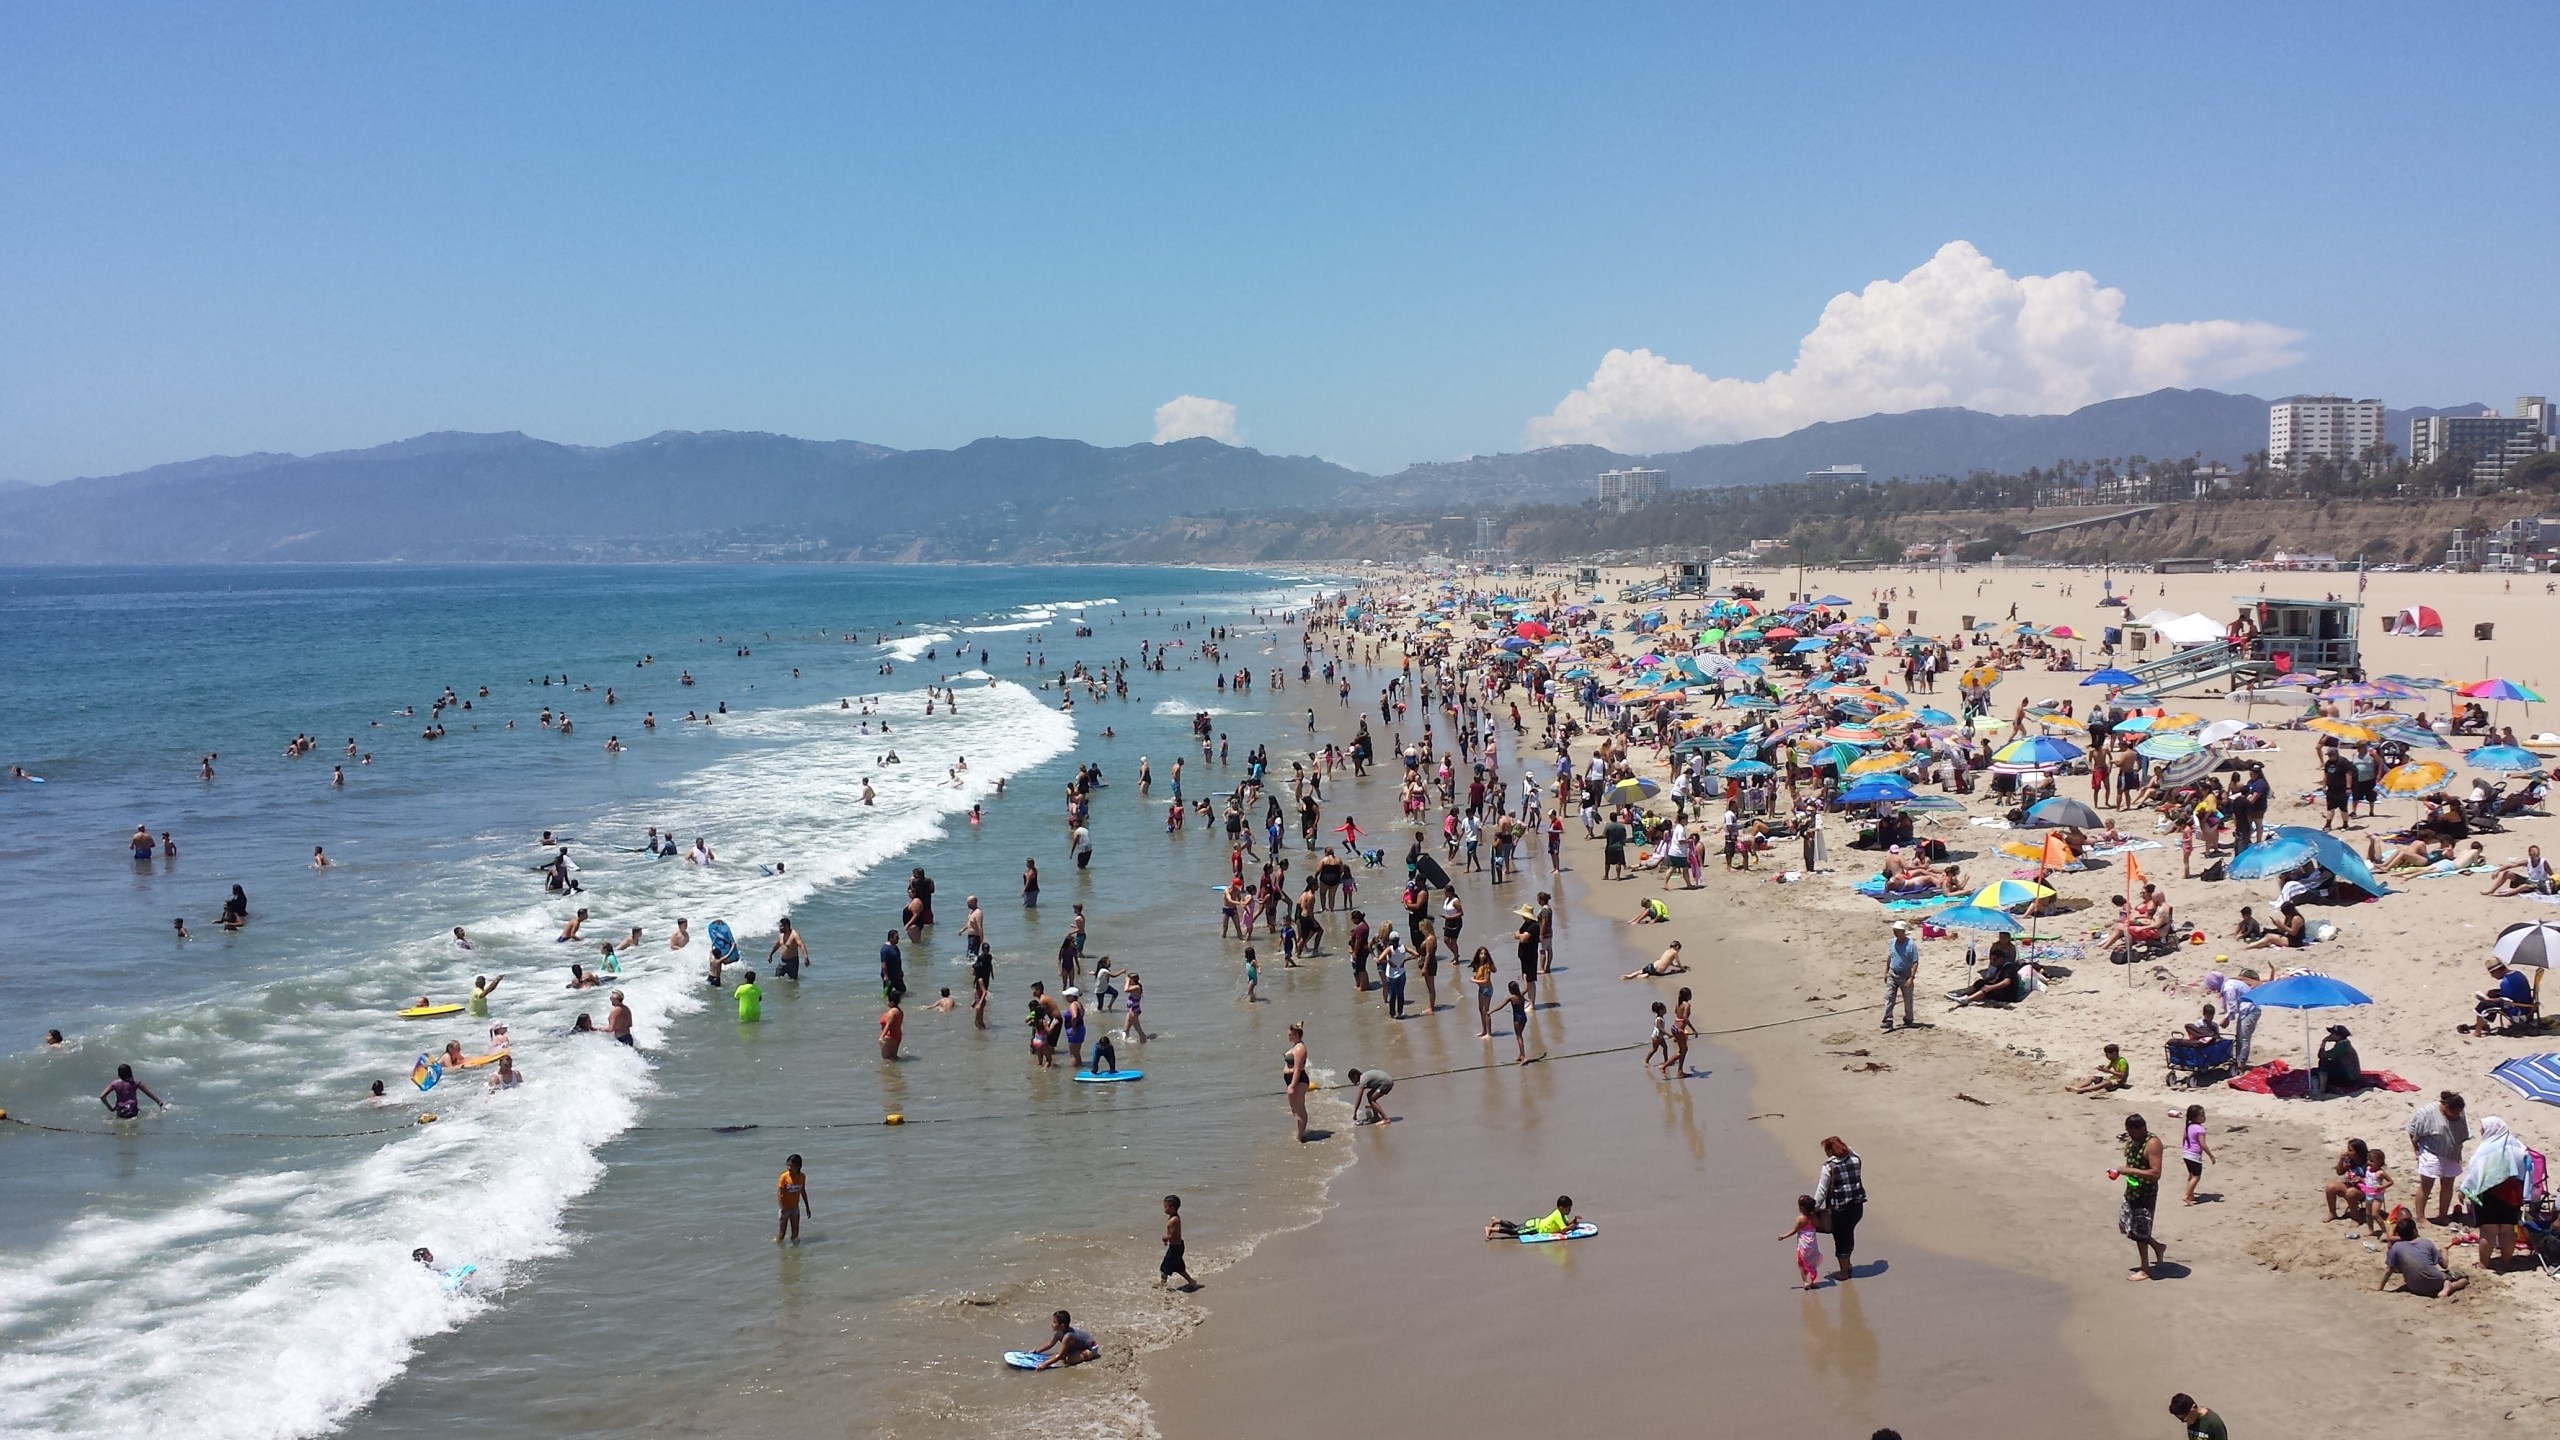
1991,1209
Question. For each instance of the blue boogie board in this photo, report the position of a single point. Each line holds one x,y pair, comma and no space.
1109,1077
1023,1359
724,945
1583,1231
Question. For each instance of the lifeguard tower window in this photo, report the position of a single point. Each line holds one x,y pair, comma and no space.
1691,578
2313,635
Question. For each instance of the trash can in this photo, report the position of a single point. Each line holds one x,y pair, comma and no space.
2481,630
1968,622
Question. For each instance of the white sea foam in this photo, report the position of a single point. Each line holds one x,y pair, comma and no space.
912,647
1185,707
275,1305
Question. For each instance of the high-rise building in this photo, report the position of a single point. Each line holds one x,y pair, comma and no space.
2329,425
1625,490
2496,443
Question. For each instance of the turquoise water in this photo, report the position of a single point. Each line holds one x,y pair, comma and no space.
238,1265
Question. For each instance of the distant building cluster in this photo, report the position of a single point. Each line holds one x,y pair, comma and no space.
2331,426
2335,428
2496,443
1630,489
2528,542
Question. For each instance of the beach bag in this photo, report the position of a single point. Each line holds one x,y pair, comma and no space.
2536,1178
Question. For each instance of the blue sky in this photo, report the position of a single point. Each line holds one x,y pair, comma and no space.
1382,234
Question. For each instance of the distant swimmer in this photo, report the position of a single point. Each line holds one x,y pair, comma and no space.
618,1020
569,931
750,999
338,777
460,938
868,797
788,951
579,979
681,936
180,925
701,852
120,1092
142,845
235,911
320,859
508,1076
481,988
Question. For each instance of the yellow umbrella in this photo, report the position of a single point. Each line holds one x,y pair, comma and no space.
1877,764
1893,717
2418,777
2001,894
2061,722
2355,734
2021,850
2180,721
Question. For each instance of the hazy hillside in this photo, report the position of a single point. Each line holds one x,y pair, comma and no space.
688,495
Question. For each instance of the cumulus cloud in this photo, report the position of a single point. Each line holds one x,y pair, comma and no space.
1959,330
1186,416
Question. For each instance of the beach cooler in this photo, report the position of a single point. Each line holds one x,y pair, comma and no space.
2189,1059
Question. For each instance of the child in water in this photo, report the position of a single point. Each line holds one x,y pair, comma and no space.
1808,1246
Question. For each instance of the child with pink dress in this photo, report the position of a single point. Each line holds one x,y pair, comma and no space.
1808,1245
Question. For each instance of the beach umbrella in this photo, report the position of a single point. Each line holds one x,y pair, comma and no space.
1809,647
2003,894
1712,634
2288,847
1634,790
1853,735
2416,682
2346,730
1889,761
2530,943
2168,747
1875,789
2307,993
2063,632
2037,752
1839,757
1834,600
2221,730
2187,769
1531,629
2183,720
2494,688
1933,804
2135,724
2535,1077
2415,736
1977,917
1932,716
1746,768
1515,644
2368,690
2112,676
2063,810
1779,632
2417,777
1752,702
2504,760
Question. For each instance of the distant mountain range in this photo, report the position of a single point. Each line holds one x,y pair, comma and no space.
722,494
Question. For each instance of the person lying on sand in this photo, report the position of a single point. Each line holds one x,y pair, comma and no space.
1668,963
2417,855
1555,1222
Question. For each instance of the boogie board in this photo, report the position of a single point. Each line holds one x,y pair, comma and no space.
425,1073
429,1012
1583,1231
1088,1077
1023,1359
454,1277
1428,871
724,945
474,1062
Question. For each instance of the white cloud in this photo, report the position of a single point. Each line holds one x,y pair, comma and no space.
1959,330
1186,416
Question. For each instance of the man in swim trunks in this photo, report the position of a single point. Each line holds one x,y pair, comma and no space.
1555,1222
618,1020
791,1191
788,950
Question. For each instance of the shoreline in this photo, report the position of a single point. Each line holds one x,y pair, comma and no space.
1975,1153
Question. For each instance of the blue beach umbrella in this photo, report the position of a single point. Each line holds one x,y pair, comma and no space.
2288,846
1746,768
2307,993
1977,917
1834,600
2504,760
2416,736
2535,1077
1809,647
2037,750
2168,747
1876,789
1931,715
2112,676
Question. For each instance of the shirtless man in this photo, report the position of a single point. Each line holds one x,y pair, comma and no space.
618,1021
569,931
973,931
1668,963
681,936
788,952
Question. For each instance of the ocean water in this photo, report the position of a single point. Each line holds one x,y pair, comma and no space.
239,1265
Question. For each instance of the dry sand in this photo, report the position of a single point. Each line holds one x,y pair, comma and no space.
1994,1218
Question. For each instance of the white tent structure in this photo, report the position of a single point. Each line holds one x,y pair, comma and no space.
2190,630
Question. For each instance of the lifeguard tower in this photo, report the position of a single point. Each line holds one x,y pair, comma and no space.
2266,639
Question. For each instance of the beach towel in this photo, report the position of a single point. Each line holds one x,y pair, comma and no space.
2126,848
2286,1083
2443,869
1989,822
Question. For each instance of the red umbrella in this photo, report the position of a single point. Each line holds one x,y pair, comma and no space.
1530,630
1779,632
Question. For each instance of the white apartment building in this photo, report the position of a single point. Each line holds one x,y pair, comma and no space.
2329,425
1625,490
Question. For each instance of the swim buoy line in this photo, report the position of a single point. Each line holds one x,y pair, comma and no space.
900,1121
